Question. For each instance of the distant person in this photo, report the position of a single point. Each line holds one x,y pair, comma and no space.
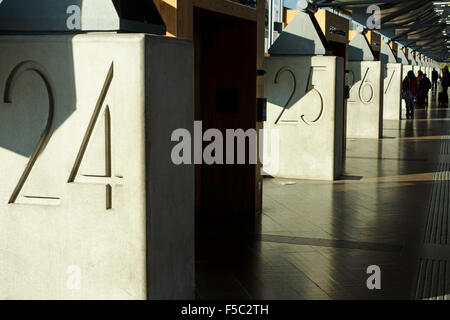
425,86
419,75
420,96
434,77
445,82
409,91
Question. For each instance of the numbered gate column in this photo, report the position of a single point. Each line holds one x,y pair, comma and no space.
365,105
392,90
303,135
430,77
428,72
91,205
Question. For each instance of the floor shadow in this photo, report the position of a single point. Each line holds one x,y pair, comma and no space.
347,177
317,238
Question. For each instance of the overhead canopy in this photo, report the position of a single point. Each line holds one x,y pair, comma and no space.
417,24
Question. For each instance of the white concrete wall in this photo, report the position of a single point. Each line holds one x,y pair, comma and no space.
74,224
307,140
392,90
429,71
405,70
365,105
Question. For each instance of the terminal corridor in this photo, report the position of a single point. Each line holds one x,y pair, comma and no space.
317,238
224,149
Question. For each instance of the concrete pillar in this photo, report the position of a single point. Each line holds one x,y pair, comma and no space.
417,65
428,71
335,28
406,69
392,79
92,205
411,57
417,57
365,105
401,56
303,132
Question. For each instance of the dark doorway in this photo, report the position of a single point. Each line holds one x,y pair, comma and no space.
340,50
225,50
376,55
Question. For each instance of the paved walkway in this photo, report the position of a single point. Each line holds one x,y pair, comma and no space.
317,238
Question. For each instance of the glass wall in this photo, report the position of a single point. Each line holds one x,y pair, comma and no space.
274,20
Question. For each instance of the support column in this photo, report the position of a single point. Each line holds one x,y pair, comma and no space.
303,135
392,75
365,105
92,204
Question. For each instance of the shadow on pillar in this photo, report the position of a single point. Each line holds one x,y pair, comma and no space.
25,73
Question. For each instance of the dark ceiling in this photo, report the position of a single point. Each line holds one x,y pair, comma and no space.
421,25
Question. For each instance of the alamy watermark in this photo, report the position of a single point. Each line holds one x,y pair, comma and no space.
374,280
73,21
374,20
232,146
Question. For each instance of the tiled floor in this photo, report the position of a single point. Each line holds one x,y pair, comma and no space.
318,238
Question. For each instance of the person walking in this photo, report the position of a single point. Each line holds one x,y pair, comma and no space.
420,93
445,82
409,91
434,78
425,86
